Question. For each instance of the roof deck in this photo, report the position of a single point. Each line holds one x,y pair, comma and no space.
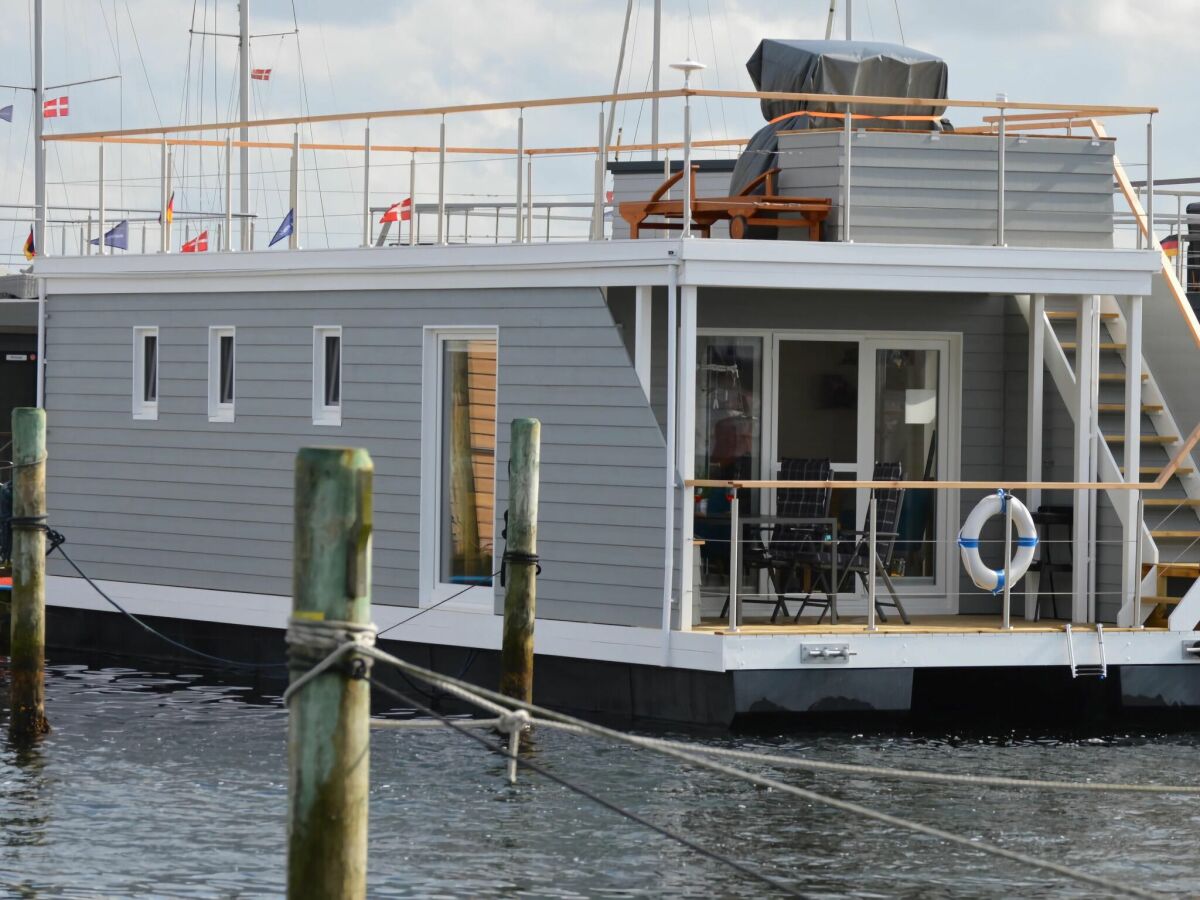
1005,174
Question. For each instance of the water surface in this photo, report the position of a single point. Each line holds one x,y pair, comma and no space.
174,784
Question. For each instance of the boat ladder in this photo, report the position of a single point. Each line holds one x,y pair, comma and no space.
1097,670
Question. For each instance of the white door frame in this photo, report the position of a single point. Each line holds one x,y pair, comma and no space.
942,596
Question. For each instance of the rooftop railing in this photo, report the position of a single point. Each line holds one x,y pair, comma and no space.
196,163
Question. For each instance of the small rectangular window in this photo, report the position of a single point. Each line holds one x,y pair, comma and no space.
145,372
327,375
222,373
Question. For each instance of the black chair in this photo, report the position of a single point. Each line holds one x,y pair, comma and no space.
853,556
784,544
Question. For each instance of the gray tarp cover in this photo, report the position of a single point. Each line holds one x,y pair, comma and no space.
835,67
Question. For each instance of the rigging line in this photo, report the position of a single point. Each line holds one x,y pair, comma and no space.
712,855
712,36
142,59
333,97
695,44
311,134
739,70
899,21
490,697
870,21
637,14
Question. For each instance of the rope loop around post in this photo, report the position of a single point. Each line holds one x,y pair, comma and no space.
316,645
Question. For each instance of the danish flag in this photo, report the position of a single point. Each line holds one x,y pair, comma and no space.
398,212
55,109
198,244
260,74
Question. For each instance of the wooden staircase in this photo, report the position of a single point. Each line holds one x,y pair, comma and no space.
1172,515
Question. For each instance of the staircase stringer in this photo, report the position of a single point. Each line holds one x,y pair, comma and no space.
1063,376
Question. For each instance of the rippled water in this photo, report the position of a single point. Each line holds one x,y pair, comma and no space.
174,785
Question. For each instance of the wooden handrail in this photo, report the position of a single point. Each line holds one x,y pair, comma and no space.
837,99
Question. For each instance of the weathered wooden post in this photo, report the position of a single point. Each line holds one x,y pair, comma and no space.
520,600
28,631
329,727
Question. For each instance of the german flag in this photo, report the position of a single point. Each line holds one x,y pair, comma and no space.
1170,245
29,249
170,211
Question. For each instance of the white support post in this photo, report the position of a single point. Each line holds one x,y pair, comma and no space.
100,198
442,229
294,192
848,138
1034,427
1086,353
366,201
686,443
519,205
643,329
164,186
1131,574
227,234
598,187
671,469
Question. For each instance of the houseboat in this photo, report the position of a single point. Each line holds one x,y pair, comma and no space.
774,387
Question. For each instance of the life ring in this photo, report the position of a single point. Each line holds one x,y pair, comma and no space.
968,542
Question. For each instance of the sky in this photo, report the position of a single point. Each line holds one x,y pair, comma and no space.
357,55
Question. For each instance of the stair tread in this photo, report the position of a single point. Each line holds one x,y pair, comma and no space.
1074,314
1104,345
1146,438
1175,569
1120,407
1165,601
1118,376
1173,501
1175,535
1154,470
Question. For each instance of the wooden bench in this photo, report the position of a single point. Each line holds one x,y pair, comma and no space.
742,211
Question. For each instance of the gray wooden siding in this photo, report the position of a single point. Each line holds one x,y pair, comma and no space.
923,188
182,501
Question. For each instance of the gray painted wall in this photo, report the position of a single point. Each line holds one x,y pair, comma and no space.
182,501
937,188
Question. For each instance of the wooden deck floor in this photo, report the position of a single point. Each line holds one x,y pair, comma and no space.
941,624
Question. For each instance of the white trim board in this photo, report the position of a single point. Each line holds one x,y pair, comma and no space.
451,625
798,265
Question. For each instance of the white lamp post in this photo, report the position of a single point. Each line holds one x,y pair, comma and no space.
687,67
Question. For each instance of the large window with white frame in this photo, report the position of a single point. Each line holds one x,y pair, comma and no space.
458,460
327,375
222,372
145,372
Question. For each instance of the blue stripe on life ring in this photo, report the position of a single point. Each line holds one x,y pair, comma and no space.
968,543
1027,541
999,581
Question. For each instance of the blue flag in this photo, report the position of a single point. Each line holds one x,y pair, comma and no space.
6,113
117,236
285,228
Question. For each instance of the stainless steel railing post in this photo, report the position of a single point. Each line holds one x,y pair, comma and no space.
519,228
848,132
1151,243
442,224
734,562
1008,521
1137,566
1000,135
871,550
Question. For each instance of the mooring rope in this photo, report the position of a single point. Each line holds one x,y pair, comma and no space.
514,759
322,643
689,755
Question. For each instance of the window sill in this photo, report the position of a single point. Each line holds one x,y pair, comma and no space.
147,414
221,415
329,418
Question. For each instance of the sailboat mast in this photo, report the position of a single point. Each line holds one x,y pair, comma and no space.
849,19
39,151
829,19
655,65
244,114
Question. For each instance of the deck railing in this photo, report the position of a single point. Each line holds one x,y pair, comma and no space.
573,171
865,542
